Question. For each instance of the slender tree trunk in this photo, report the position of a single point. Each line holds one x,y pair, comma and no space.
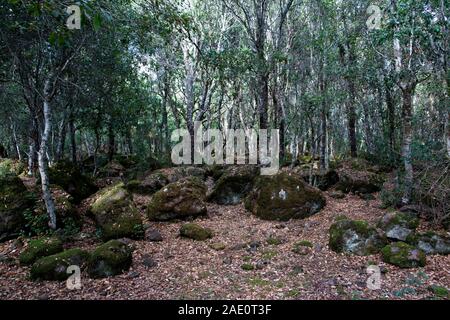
391,117
43,161
73,141
351,118
111,141
15,140
408,92
61,140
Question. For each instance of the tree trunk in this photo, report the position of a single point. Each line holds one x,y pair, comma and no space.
408,92
61,140
73,142
351,117
15,140
111,141
391,117
43,161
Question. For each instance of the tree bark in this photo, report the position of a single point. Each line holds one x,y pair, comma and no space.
407,93
43,161
73,142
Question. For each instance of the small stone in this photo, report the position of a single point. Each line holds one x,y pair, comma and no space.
337,195
153,235
148,261
238,247
255,244
261,264
227,260
367,196
218,246
133,275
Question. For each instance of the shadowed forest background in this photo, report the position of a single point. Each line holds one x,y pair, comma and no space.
86,118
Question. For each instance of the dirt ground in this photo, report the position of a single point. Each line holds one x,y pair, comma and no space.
186,269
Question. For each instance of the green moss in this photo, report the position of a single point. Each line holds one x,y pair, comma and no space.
399,218
218,246
403,255
283,197
293,293
11,167
40,248
69,177
116,215
15,201
178,200
269,254
258,282
67,217
195,232
302,247
109,259
273,241
247,267
54,268
439,291
355,236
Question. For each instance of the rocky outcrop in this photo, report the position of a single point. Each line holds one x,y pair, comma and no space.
54,268
283,197
178,200
40,248
234,185
430,242
403,255
355,237
398,225
357,176
15,200
110,259
195,232
116,215
69,177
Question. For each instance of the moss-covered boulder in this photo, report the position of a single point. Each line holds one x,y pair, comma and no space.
15,201
112,169
322,179
149,185
355,237
67,216
302,247
110,259
234,185
69,177
282,197
215,171
115,214
178,200
398,225
156,180
11,167
40,248
54,267
356,176
195,232
430,243
403,255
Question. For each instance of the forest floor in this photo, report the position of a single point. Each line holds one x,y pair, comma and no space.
186,269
